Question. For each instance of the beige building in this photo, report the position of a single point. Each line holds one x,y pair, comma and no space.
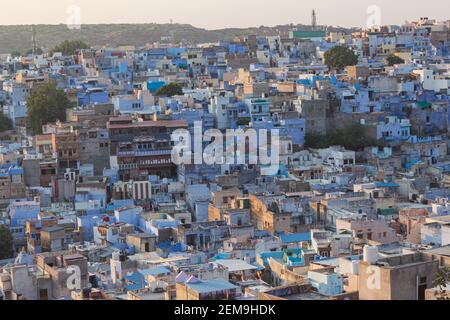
44,146
53,239
401,277
265,219
142,242
61,268
375,231
221,201
12,186
194,289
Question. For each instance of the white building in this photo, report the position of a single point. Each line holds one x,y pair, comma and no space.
435,82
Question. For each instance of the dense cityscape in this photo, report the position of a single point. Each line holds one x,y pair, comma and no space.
308,165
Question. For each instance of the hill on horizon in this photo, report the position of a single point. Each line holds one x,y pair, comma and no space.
19,37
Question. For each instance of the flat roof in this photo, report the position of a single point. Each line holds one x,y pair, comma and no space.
53,229
73,256
150,124
309,295
234,265
211,286
296,237
155,271
444,251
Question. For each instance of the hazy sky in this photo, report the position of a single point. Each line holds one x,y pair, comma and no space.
218,14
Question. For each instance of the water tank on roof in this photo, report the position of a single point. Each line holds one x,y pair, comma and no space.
370,254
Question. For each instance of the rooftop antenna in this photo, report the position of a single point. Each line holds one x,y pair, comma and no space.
314,20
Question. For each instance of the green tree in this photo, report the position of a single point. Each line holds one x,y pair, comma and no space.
30,51
69,47
340,57
441,282
15,54
351,137
392,59
6,243
317,141
5,123
170,90
46,104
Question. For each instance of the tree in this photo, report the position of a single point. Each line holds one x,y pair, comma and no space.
170,90
340,57
441,282
351,137
46,104
317,141
5,123
6,243
30,51
392,59
69,47
15,54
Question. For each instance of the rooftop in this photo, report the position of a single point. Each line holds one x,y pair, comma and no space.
211,286
236,265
